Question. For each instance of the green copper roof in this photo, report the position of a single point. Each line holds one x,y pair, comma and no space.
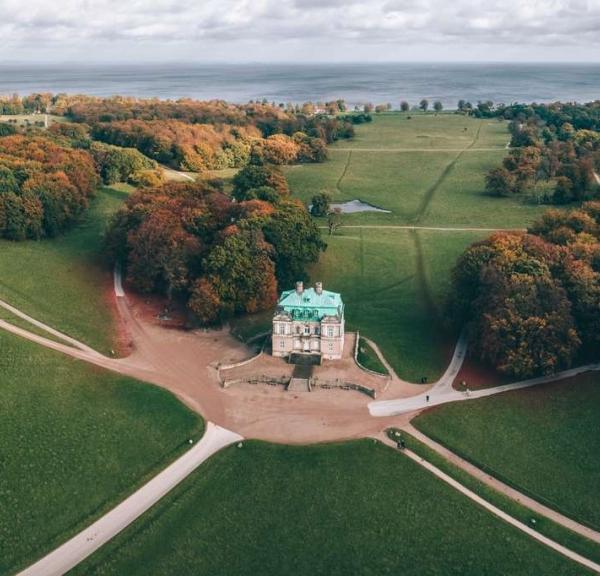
309,305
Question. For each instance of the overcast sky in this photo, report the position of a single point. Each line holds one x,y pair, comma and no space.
299,30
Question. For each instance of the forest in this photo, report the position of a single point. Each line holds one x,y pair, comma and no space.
531,301
220,257
44,186
556,150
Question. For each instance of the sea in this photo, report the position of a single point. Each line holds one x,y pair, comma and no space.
357,83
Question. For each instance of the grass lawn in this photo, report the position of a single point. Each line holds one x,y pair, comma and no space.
355,508
75,441
544,440
393,284
368,359
63,281
427,131
430,183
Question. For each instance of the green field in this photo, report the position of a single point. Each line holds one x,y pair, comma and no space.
354,508
393,283
75,441
368,359
545,441
63,282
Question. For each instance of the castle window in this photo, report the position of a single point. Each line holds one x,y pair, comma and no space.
330,331
281,343
307,329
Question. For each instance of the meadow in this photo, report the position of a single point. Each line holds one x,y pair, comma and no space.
394,292
75,441
545,441
353,508
429,170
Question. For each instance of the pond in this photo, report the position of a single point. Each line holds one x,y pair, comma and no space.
353,206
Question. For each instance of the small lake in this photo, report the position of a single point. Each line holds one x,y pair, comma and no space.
353,206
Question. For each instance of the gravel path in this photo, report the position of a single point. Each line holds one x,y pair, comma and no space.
497,512
75,550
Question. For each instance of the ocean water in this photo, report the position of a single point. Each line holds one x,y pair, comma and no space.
356,83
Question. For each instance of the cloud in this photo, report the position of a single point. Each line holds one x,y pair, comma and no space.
282,26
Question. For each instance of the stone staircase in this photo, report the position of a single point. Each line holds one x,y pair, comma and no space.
298,385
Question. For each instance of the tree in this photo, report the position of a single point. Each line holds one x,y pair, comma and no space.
334,220
404,106
499,182
424,104
7,129
296,240
438,106
320,204
252,177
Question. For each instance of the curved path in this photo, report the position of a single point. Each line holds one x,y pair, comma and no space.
46,328
75,550
568,553
183,363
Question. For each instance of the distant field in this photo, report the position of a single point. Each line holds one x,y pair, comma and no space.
355,508
431,183
409,130
544,440
63,281
75,440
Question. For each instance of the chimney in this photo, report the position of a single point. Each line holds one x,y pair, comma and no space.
299,287
319,287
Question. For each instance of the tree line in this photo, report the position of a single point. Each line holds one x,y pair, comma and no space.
220,255
531,301
556,151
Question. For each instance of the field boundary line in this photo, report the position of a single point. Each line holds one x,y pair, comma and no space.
432,228
435,150
430,192
343,174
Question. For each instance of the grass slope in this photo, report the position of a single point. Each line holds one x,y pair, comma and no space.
393,284
75,441
545,441
60,281
368,359
354,508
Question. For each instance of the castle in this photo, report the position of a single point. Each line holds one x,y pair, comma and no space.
309,321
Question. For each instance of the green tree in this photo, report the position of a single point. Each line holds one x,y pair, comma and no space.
424,104
296,240
438,106
320,204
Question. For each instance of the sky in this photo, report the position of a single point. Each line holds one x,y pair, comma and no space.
299,30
